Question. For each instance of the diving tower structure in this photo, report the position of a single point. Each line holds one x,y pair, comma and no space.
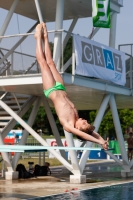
24,87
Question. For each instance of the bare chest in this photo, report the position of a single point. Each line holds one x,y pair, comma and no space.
66,113
64,108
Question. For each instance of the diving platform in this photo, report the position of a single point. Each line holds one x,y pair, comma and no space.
86,93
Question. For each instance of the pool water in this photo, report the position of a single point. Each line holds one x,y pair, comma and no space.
115,192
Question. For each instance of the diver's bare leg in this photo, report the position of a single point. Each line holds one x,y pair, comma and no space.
47,77
49,58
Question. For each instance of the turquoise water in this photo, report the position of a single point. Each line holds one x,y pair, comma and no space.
116,192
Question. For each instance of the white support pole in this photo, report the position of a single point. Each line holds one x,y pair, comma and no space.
97,123
131,69
53,125
12,61
73,61
3,169
8,18
17,44
73,154
58,36
39,11
118,130
112,37
25,133
5,157
34,134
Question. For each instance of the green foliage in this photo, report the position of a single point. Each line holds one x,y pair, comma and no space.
126,118
107,124
92,116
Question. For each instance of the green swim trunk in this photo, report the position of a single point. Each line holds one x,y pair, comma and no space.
58,86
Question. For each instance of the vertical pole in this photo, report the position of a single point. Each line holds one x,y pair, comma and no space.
58,36
73,154
118,129
3,169
97,123
112,99
8,72
112,37
131,69
40,154
12,60
8,18
73,61
39,11
5,157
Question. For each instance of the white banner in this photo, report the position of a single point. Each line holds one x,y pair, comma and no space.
97,60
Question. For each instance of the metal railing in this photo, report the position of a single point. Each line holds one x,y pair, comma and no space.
128,50
18,59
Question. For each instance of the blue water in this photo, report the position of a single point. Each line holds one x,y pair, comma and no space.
116,192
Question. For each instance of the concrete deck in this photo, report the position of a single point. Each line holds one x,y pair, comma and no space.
99,174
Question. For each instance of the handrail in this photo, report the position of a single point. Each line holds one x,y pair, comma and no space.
27,34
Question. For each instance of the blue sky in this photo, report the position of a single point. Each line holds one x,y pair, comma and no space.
83,27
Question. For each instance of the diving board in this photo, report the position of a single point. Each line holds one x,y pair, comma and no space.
23,148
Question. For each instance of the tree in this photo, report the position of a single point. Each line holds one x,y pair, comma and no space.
126,118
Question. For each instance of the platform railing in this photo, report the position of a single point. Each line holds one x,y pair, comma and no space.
128,49
15,58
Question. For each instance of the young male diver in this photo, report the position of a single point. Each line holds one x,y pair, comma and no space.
54,89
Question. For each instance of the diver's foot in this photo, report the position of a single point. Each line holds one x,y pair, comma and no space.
45,30
38,31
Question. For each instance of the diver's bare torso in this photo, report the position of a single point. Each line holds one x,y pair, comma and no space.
65,109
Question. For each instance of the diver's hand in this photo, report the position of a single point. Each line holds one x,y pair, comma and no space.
105,145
